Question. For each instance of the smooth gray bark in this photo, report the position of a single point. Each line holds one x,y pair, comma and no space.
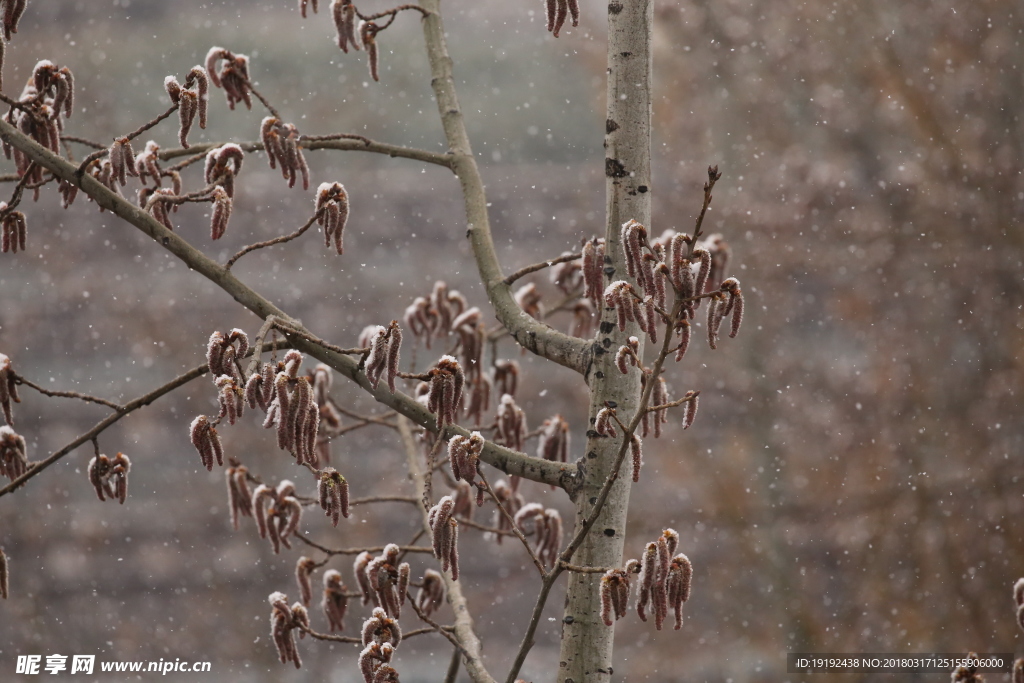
586,651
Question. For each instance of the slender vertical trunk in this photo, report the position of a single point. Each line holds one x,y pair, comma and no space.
586,652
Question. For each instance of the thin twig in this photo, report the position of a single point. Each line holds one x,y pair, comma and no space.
515,528
540,266
342,144
383,499
335,136
584,570
270,243
453,667
369,549
83,141
261,98
436,626
68,394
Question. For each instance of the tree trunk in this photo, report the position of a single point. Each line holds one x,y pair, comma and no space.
586,651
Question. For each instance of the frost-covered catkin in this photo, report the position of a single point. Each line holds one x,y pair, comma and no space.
445,531
691,408
13,459
636,453
332,207
109,476
335,601
431,594
614,595
446,385
332,489
206,441
603,423
303,568
368,35
680,574
239,496
554,441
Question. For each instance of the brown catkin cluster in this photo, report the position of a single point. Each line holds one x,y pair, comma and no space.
193,99
445,532
568,275
303,569
627,355
278,513
122,160
239,495
223,164
557,11
229,397
332,491
385,344
446,383
8,389
374,663
294,411
604,424
368,35
109,476
511,424
13,461
431,594
614,595
284,620
344,14
510,499
15,230
555,439
388,580
464,457
546,527
529,299
506,377
207,441
302,7
281,143
380,629
664,579
593,270
12,11
48,95
335,600
233,75
332,208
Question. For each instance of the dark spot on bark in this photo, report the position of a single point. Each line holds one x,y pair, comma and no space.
469,232
632,193
591,434
626,54
614,8
592,454
599,374
611,404
613,168
606,342
642,189
609,532
598,350
593,500
607,327
610,126
165,241
569,619
609,271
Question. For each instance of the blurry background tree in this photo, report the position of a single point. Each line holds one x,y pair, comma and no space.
852,482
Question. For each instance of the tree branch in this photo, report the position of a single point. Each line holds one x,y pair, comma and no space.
468,641
532,335
345,145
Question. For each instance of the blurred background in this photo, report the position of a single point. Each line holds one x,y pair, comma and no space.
853,479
